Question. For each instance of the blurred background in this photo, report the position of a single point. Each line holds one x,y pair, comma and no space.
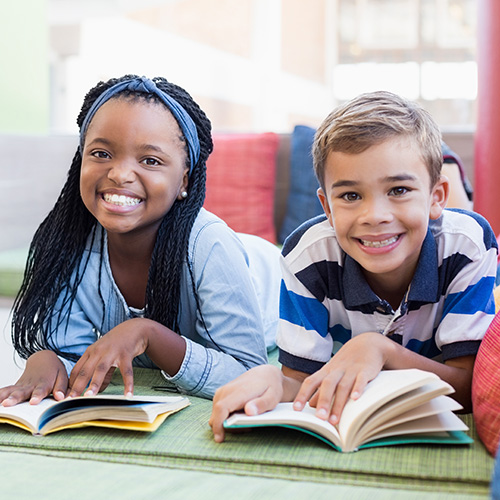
253,65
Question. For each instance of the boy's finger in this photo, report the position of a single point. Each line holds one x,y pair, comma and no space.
359,386
342,394
220,411
227,399
326,394
307,389
261,404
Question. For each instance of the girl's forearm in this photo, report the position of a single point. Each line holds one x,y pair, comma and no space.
164,347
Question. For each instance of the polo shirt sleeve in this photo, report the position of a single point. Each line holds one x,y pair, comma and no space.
304,341
469,306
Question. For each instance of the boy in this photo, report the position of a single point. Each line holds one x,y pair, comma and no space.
386,280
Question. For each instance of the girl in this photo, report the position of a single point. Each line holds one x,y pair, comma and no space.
128,268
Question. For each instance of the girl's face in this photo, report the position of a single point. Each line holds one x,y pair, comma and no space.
133,166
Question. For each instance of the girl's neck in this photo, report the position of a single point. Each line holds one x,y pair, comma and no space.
130,259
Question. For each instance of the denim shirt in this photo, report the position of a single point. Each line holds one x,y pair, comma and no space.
239,310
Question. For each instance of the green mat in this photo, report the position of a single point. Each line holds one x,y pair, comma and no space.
185,443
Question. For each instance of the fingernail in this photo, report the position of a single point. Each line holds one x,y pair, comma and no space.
217,438
355,395
298,405
251,409
59,394
129,394
322,413
334,419
90,392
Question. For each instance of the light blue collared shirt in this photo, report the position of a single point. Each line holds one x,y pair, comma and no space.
237,281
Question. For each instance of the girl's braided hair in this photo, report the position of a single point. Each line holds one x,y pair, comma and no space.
56,265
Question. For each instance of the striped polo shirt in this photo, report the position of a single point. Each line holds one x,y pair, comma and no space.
325,299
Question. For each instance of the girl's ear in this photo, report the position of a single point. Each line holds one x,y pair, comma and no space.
184,185
439,197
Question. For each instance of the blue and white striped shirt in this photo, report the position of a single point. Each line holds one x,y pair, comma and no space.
325,299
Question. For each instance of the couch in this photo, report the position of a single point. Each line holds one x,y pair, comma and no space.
260,183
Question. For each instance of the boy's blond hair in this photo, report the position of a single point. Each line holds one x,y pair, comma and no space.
369,120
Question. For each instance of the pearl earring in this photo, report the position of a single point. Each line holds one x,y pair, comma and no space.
184,194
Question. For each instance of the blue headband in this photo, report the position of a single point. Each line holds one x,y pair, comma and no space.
143,84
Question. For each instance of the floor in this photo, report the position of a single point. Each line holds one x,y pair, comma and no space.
11,366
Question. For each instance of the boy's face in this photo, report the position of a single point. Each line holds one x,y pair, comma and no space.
379,202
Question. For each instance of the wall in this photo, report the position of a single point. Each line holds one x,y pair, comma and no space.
24,69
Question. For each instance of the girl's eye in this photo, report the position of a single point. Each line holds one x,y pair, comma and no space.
351,197
151,162
100,154
399,191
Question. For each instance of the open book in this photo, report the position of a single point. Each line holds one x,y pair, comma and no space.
139,413
397,407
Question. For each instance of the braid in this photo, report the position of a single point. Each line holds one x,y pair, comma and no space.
171,249
54,253
55,265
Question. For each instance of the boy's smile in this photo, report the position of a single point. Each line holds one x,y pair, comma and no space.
379,202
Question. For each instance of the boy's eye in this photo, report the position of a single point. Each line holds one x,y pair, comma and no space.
399,191
351,196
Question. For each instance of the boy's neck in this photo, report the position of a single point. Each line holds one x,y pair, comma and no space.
390,292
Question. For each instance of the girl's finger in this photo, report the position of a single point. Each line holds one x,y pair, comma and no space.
128,378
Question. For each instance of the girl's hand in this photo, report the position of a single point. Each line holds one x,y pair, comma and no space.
44,374
116,349
256,391
344,376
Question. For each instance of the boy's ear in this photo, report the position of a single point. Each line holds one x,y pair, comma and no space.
439,197
324,203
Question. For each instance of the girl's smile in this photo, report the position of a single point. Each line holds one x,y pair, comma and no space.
120,200
133,167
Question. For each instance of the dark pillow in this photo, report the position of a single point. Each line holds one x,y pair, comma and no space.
302,203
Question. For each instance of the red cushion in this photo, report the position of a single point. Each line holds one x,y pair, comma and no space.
486,388
241,175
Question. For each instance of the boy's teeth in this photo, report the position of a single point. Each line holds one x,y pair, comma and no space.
378,244
120,199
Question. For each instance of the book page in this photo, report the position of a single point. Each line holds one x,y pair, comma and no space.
439,404
132,409
285,415
400,404
27,414
442,422
388,385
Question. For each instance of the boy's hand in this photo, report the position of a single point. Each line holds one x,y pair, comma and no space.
116,349
256,391
44,374
344,376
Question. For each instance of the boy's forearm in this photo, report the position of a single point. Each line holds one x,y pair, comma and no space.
457,372
291,382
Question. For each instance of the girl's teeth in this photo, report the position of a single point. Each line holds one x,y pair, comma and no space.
120,199
378,244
